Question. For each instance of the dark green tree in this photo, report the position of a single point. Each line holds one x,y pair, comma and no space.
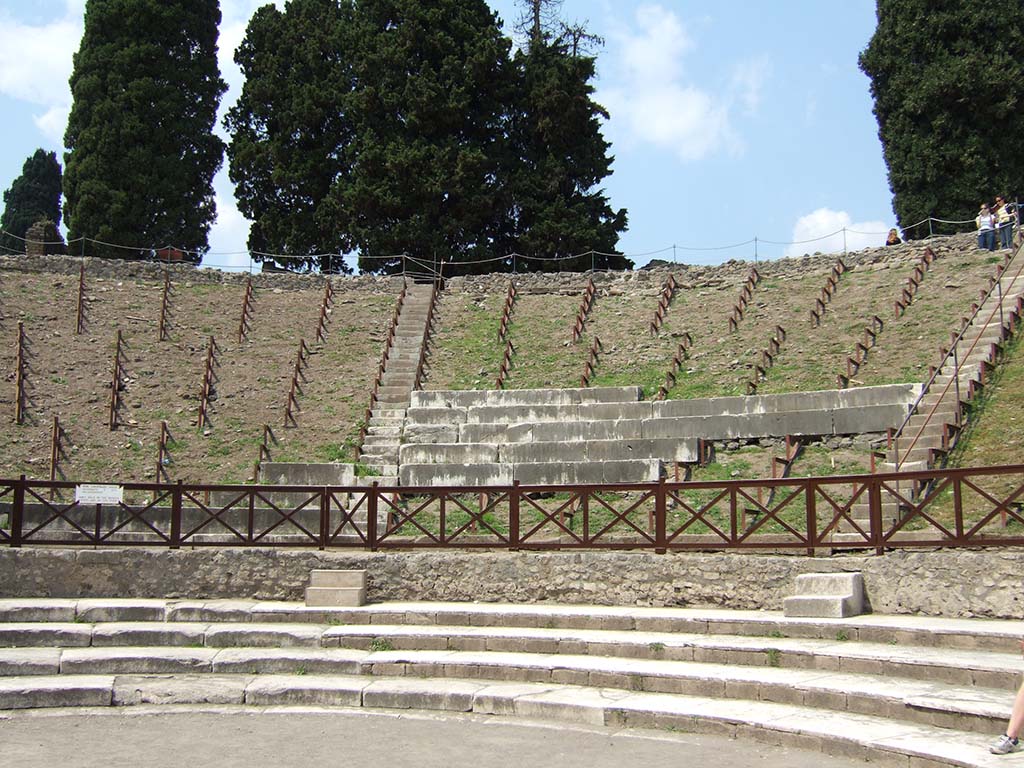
289,132
561,214
428,115
141,154
945,77
33,196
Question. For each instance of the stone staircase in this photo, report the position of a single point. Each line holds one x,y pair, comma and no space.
931,428
896,688
379,452
926,435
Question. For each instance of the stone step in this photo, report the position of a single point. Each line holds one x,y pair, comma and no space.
968,634
546,473
390,440
377,469
922,698
786,725
381,421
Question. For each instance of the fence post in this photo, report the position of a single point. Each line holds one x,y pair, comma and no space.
875,513
371,517
176,516
18,511
660,523
812,516
325,513
513,516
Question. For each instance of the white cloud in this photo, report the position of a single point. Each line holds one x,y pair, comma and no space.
652,100
748,81
52,123
823,231
229,233
35,61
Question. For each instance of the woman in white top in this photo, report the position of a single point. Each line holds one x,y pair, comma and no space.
986,228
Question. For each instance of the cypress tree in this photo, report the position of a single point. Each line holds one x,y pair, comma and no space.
140,153
945,77
289,131
33,196
562,215
428,120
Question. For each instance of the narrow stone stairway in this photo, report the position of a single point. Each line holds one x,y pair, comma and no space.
379,452
931,429
927,434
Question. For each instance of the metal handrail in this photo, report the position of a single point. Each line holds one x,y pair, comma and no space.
953,351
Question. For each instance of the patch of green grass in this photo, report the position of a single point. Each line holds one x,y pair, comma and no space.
842,636
774,657
380,644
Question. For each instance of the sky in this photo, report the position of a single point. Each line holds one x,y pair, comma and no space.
740,130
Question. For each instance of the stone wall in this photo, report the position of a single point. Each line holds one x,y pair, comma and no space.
937,582
642,281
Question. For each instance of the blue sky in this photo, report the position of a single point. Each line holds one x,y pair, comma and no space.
728,121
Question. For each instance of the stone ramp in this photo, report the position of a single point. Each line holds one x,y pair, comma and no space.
878,687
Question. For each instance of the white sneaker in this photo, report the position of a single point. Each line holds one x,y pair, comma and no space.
1004,746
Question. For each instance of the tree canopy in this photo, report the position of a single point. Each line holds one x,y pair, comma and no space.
945,77
406,131
140,153
33,196
289,131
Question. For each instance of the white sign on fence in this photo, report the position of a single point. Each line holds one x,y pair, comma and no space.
99,494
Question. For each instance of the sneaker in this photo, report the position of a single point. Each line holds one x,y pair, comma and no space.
1004,746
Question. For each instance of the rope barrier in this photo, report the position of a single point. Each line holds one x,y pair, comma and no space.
511,257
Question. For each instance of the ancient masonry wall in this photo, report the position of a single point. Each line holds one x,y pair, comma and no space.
565,282
954,583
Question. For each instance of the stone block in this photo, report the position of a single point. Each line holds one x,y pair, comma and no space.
57,691
826,595
448,453
136,661
185,689
264,636
413,475
288,661
435,416
297,473
443,695
291,690
147,634
518,414
45,634
434,433
29,661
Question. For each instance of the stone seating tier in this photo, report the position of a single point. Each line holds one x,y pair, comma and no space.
893,689
479,437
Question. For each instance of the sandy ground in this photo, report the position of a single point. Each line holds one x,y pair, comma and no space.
226,739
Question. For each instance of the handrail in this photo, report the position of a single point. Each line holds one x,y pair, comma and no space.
385,356
957,360
426,334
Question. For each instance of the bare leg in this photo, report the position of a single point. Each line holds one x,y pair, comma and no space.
1017,715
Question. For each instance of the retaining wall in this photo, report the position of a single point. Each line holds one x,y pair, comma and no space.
938,583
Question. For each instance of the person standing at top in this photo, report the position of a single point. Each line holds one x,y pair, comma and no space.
1005,220
986,228
893,238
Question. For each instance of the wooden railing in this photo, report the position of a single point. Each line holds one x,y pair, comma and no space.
959,508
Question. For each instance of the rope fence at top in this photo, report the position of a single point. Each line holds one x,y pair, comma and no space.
437,266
